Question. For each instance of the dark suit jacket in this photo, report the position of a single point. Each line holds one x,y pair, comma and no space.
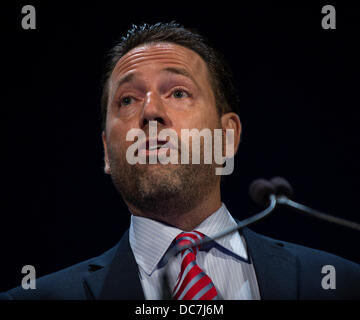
284,271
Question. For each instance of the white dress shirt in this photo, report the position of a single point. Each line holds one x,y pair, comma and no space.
226,263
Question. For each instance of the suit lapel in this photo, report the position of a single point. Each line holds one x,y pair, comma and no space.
119,279
276,268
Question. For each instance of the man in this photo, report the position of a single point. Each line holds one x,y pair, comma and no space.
166,75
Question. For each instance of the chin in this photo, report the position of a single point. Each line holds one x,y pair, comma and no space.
160,183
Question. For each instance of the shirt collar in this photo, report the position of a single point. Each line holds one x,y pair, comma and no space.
150,239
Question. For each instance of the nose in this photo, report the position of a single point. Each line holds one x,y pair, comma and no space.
154,110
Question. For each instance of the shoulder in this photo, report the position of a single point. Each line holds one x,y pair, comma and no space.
309,257
305,255
338,275
66,284
316,269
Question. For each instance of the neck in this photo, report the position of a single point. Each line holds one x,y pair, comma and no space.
186,220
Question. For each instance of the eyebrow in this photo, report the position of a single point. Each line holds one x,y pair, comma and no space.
182,72
124,80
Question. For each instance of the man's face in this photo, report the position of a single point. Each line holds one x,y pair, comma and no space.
169,84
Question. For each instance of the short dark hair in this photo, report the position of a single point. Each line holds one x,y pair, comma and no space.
221,80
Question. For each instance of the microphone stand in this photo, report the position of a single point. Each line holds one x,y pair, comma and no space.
317,214
274,200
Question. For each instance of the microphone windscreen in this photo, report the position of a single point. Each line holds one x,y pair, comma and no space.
282,187
260,191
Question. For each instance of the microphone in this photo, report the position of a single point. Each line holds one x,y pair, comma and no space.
260,191
282,187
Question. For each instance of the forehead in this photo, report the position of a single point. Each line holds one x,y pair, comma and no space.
162,54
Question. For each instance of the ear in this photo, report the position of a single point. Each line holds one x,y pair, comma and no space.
231,120
106,159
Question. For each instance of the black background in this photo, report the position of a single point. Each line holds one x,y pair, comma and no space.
299,89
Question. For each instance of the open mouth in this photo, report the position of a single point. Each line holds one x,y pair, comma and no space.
154,146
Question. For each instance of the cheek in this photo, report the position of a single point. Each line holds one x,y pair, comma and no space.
198,121
116,140
206,119
208,116
203,115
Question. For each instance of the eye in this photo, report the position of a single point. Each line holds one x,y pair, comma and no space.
125,101
178,94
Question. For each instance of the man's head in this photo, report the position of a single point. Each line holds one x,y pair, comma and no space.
167,74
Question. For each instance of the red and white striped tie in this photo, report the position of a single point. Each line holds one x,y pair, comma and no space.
192,283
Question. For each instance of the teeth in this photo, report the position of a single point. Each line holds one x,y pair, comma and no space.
153,147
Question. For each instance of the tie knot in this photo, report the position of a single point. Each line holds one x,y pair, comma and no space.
188,238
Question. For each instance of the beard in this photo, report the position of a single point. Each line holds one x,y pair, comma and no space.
159,190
